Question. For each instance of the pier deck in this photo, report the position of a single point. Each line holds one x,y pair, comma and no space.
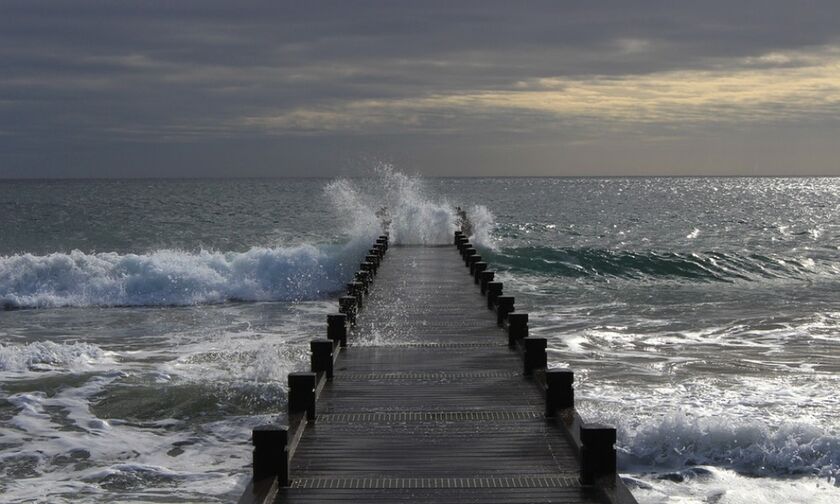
429,404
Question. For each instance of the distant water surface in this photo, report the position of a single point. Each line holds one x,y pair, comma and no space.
150,324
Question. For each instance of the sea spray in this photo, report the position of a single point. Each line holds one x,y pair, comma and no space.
412,216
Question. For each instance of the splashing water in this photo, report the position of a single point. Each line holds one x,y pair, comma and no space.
415,218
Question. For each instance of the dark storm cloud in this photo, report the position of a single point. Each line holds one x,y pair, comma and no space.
190,87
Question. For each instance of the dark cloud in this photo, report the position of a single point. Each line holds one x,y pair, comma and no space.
193,88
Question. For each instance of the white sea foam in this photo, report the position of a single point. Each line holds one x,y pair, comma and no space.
50,356
703,485
749,446
174,277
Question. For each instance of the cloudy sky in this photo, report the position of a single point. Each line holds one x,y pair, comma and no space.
209,88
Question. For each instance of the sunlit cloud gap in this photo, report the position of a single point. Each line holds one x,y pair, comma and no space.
766,88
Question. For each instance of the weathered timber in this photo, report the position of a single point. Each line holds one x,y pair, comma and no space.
428,402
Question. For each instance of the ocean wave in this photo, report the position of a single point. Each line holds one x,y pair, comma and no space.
628,264
747,446
174,277
50,356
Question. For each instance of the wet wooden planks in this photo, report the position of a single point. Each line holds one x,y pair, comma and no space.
428,403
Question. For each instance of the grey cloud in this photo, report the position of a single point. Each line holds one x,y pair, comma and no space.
98,83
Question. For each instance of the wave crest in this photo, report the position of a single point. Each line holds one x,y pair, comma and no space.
749,447
173,277
628,264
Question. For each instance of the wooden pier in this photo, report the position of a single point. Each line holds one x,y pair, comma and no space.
428,389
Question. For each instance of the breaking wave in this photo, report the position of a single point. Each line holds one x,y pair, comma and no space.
174,277
747,446
697,266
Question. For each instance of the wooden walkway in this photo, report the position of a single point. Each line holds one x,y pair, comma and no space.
428,403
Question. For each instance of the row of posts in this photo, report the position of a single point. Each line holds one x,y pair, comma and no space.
271,442
597,452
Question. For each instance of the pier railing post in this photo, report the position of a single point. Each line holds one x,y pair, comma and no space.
504,306
357,289
302,394
337,328
535,356
471,261
597,453
374,261
469,253
364,277
271,453
486,277
494,290
321,358
517,328
559,392
347,306
478,268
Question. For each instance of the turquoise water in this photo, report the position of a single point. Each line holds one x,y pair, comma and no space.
150,324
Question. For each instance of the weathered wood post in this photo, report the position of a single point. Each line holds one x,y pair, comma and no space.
337,328
321,357
469,253
347,306
458,234
597,455
478,268
357,289
494,290
535,356
374,261
517,328
302,394
271,453
559,393
463,246
471,261
485,278
364,277
367,267
504,306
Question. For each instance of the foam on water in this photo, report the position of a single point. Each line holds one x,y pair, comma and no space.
51,356
704,484
175,277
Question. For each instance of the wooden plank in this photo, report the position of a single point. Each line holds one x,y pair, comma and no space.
428,403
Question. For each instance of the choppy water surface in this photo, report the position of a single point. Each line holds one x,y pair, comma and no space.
151,323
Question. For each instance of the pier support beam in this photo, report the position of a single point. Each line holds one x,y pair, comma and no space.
347,306
302,394
517,328
559,392
271,453
471,262
478,268
485,277
321,358
597,455
504,306
337,328
494,290
535,356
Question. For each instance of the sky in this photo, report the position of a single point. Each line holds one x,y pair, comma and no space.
203,88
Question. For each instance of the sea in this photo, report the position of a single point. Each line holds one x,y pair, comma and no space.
148,325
